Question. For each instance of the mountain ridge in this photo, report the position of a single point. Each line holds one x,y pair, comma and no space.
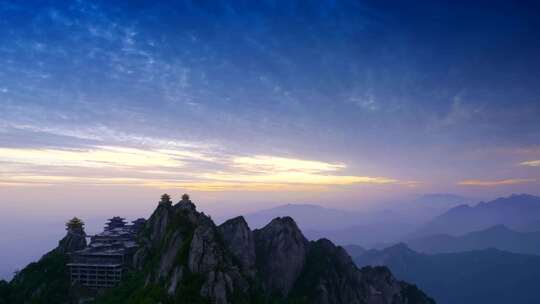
183,257
517,211
479,276
498,236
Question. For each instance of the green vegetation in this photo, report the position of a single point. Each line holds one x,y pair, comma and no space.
45,281
4,292
133,291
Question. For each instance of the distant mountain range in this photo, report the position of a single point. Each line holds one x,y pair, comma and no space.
307,216
340,226
483,276
369,235
519,212
500,237
366,228
407,222
315,217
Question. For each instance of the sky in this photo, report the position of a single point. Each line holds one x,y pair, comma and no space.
104,105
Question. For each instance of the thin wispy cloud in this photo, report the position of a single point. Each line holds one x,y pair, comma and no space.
96,157
208,169
531,163
494,183
266,163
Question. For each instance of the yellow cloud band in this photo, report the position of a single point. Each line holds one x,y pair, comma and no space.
162,168
493,183
531,163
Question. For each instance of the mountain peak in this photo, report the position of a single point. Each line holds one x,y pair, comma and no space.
183,257
516,198
520,212
281,250
401,248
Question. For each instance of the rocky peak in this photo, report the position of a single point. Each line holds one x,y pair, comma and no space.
158,222
180,244
183,253
330,277
185,204
239,241
75,238
281,251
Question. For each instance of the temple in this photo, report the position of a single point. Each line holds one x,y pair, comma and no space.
109,255
104,261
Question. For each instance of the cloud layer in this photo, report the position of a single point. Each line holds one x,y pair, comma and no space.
531,163
158,164
494,183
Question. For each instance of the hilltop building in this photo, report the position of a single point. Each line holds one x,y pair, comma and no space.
103,262
115,222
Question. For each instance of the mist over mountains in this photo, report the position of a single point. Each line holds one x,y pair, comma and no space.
499,236
481,276
518,211
488,252
366,228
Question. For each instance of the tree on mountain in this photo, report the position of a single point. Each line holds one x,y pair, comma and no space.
75,224
4,292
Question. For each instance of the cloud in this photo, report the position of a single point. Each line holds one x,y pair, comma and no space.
104,156
298,178
494,183
173,168
531,163
96,157
266,169
365,101
212,186
265,163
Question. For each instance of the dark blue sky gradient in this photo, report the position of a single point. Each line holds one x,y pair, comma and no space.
429,91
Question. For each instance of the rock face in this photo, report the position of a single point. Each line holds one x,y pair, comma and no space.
330,277
181,246
183,257
281,254
182,250
74,240
240,242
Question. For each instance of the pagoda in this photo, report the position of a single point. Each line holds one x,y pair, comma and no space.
115,222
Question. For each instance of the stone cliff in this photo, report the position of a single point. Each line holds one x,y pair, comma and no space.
185,253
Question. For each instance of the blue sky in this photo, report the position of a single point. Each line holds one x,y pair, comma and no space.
269,100
105,105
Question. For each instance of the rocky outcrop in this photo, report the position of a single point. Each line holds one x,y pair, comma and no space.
183,249
181,246
183,257
330,277
207,257
239,241
168,258
153,233
281,251
74,240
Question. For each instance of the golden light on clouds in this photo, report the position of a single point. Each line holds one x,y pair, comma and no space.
170,168
299,178
494,183
531,163
232,186
265,163
95,157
